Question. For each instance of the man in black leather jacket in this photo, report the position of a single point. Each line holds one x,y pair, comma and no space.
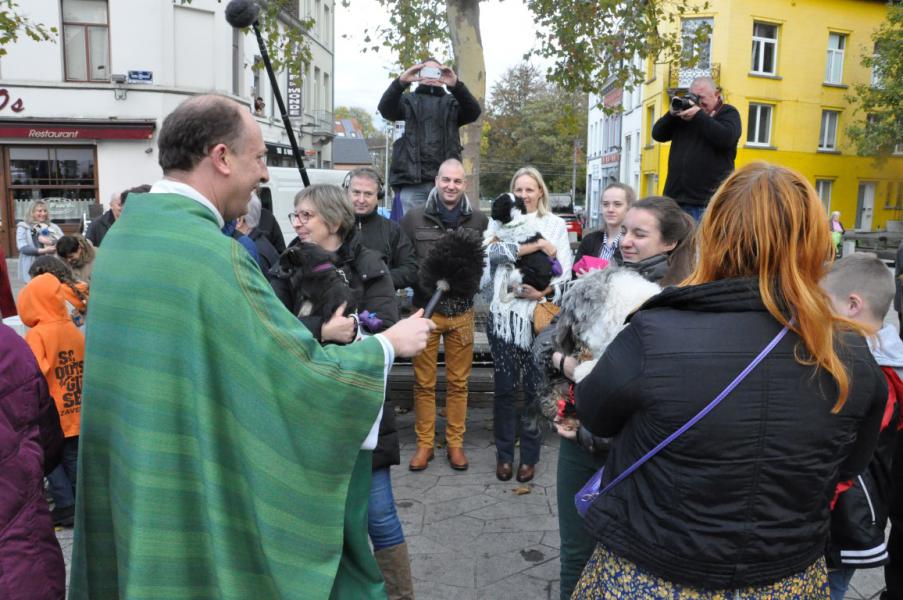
432,117
703,146
378,233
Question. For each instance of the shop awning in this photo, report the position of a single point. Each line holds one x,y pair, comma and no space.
51,130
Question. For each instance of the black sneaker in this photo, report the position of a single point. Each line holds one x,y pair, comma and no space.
63,517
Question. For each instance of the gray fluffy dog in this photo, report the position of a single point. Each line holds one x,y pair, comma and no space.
593,311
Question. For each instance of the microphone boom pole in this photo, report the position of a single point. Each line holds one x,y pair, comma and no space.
248,8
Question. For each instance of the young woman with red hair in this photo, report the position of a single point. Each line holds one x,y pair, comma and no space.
737,505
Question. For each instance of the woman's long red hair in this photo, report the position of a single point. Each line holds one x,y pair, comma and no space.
766,221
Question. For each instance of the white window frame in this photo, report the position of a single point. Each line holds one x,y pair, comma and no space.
754,127
827,132
758,49
89,56
834,61
824,187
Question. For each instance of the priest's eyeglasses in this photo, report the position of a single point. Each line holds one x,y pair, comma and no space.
302,216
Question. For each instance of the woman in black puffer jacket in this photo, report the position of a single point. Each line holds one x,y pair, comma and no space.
737,505
324,216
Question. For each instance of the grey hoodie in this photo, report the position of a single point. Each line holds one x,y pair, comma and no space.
887,348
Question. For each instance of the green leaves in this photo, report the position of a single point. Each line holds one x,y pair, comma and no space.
13,24
417,30
594,43
881,130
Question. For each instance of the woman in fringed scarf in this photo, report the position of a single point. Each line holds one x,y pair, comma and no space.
510,324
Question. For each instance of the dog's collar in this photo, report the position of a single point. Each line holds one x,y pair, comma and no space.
324,267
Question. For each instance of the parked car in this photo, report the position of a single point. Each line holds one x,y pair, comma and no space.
575,227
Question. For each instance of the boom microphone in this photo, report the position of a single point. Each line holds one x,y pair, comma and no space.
242,13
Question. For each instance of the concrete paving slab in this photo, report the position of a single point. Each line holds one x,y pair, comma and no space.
421,544
438,591
493,568
520,587
490,544
453,508
867,583
447,569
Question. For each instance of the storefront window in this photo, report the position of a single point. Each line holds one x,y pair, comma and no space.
63,177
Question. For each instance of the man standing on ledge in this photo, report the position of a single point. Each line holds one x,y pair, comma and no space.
221,441
431,118
703,146
446,209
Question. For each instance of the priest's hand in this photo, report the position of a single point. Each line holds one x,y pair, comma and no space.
339,328
409,336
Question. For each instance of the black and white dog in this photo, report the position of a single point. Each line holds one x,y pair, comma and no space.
593,311
512,226
318,287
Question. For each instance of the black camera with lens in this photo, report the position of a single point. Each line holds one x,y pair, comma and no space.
679,103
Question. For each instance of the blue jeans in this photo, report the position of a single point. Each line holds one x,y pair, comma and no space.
62,478
382,519
415,195
511,365
839,580
694,210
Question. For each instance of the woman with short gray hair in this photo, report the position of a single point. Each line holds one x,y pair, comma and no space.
324,216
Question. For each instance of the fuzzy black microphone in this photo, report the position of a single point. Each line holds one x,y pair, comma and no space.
455,262
242,13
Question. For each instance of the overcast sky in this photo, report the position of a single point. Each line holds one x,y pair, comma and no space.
360,79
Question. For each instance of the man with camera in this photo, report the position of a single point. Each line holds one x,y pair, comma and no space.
703,132
432,117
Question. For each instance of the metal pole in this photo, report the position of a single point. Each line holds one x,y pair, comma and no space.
390,130
278,94
574,177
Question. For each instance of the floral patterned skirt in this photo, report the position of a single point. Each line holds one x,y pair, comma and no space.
611,577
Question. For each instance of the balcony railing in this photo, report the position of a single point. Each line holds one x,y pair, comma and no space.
680,77
319,123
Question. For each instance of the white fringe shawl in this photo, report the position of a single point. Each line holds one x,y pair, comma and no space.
512,318
512,321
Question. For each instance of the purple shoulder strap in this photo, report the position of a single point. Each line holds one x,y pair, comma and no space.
590,491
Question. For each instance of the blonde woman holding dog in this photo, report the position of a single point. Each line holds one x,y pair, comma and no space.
35,236
510,325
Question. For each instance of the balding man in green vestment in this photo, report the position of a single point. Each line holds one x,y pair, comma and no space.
220,443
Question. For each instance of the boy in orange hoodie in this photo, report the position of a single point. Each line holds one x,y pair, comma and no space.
59,347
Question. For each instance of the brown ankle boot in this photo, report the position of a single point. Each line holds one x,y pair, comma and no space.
396,570
421,459
457,459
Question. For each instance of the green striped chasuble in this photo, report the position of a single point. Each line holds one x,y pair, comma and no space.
218,437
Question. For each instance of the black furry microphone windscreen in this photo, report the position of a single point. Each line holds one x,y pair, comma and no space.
456,258
242,13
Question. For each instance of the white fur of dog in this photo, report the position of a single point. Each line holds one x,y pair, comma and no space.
594,310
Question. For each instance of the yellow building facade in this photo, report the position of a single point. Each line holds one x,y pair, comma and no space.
788,67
